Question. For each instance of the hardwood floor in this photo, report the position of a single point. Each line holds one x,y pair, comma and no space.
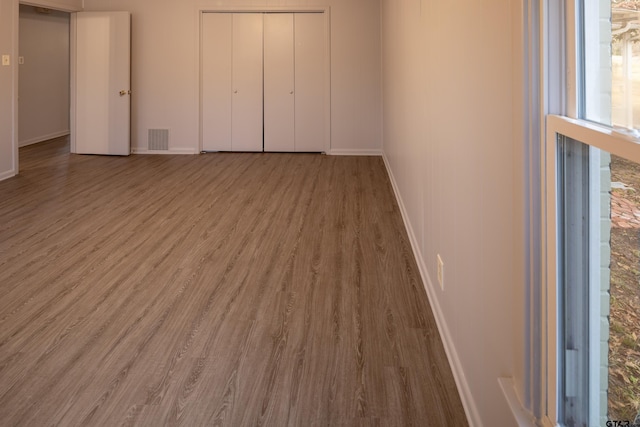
220,289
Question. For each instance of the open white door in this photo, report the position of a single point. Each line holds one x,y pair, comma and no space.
101,83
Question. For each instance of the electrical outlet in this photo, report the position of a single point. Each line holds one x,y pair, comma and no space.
440,272
6,60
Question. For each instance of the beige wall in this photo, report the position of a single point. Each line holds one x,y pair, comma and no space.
44,76
453,143
165,76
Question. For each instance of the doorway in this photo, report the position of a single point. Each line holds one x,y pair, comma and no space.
44,70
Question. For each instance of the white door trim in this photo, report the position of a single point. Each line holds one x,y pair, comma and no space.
14,78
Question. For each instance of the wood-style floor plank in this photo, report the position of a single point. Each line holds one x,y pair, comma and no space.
221,289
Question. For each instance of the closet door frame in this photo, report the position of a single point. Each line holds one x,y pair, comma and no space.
325,10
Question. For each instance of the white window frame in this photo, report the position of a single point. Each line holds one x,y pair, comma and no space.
559,62
593,135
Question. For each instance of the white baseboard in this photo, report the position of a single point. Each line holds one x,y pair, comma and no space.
522,417
173,151
468,402
8,174
43,138
354,152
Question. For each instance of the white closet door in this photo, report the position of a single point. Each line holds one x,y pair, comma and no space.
216,81
246,113
310,62
279,95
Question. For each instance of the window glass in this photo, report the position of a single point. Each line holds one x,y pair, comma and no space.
594,46
625,63
609,54
598,199
573,291
623,365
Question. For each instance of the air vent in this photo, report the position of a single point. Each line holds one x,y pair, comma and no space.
158,139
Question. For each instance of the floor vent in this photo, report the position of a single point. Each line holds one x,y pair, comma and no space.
158,139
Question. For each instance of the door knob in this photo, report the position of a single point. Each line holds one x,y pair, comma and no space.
235,91
125,92
291,93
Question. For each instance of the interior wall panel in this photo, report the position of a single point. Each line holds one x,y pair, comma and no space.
450,145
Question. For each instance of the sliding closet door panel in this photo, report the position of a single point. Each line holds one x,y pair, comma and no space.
246,128
279,87
310,57
216,81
